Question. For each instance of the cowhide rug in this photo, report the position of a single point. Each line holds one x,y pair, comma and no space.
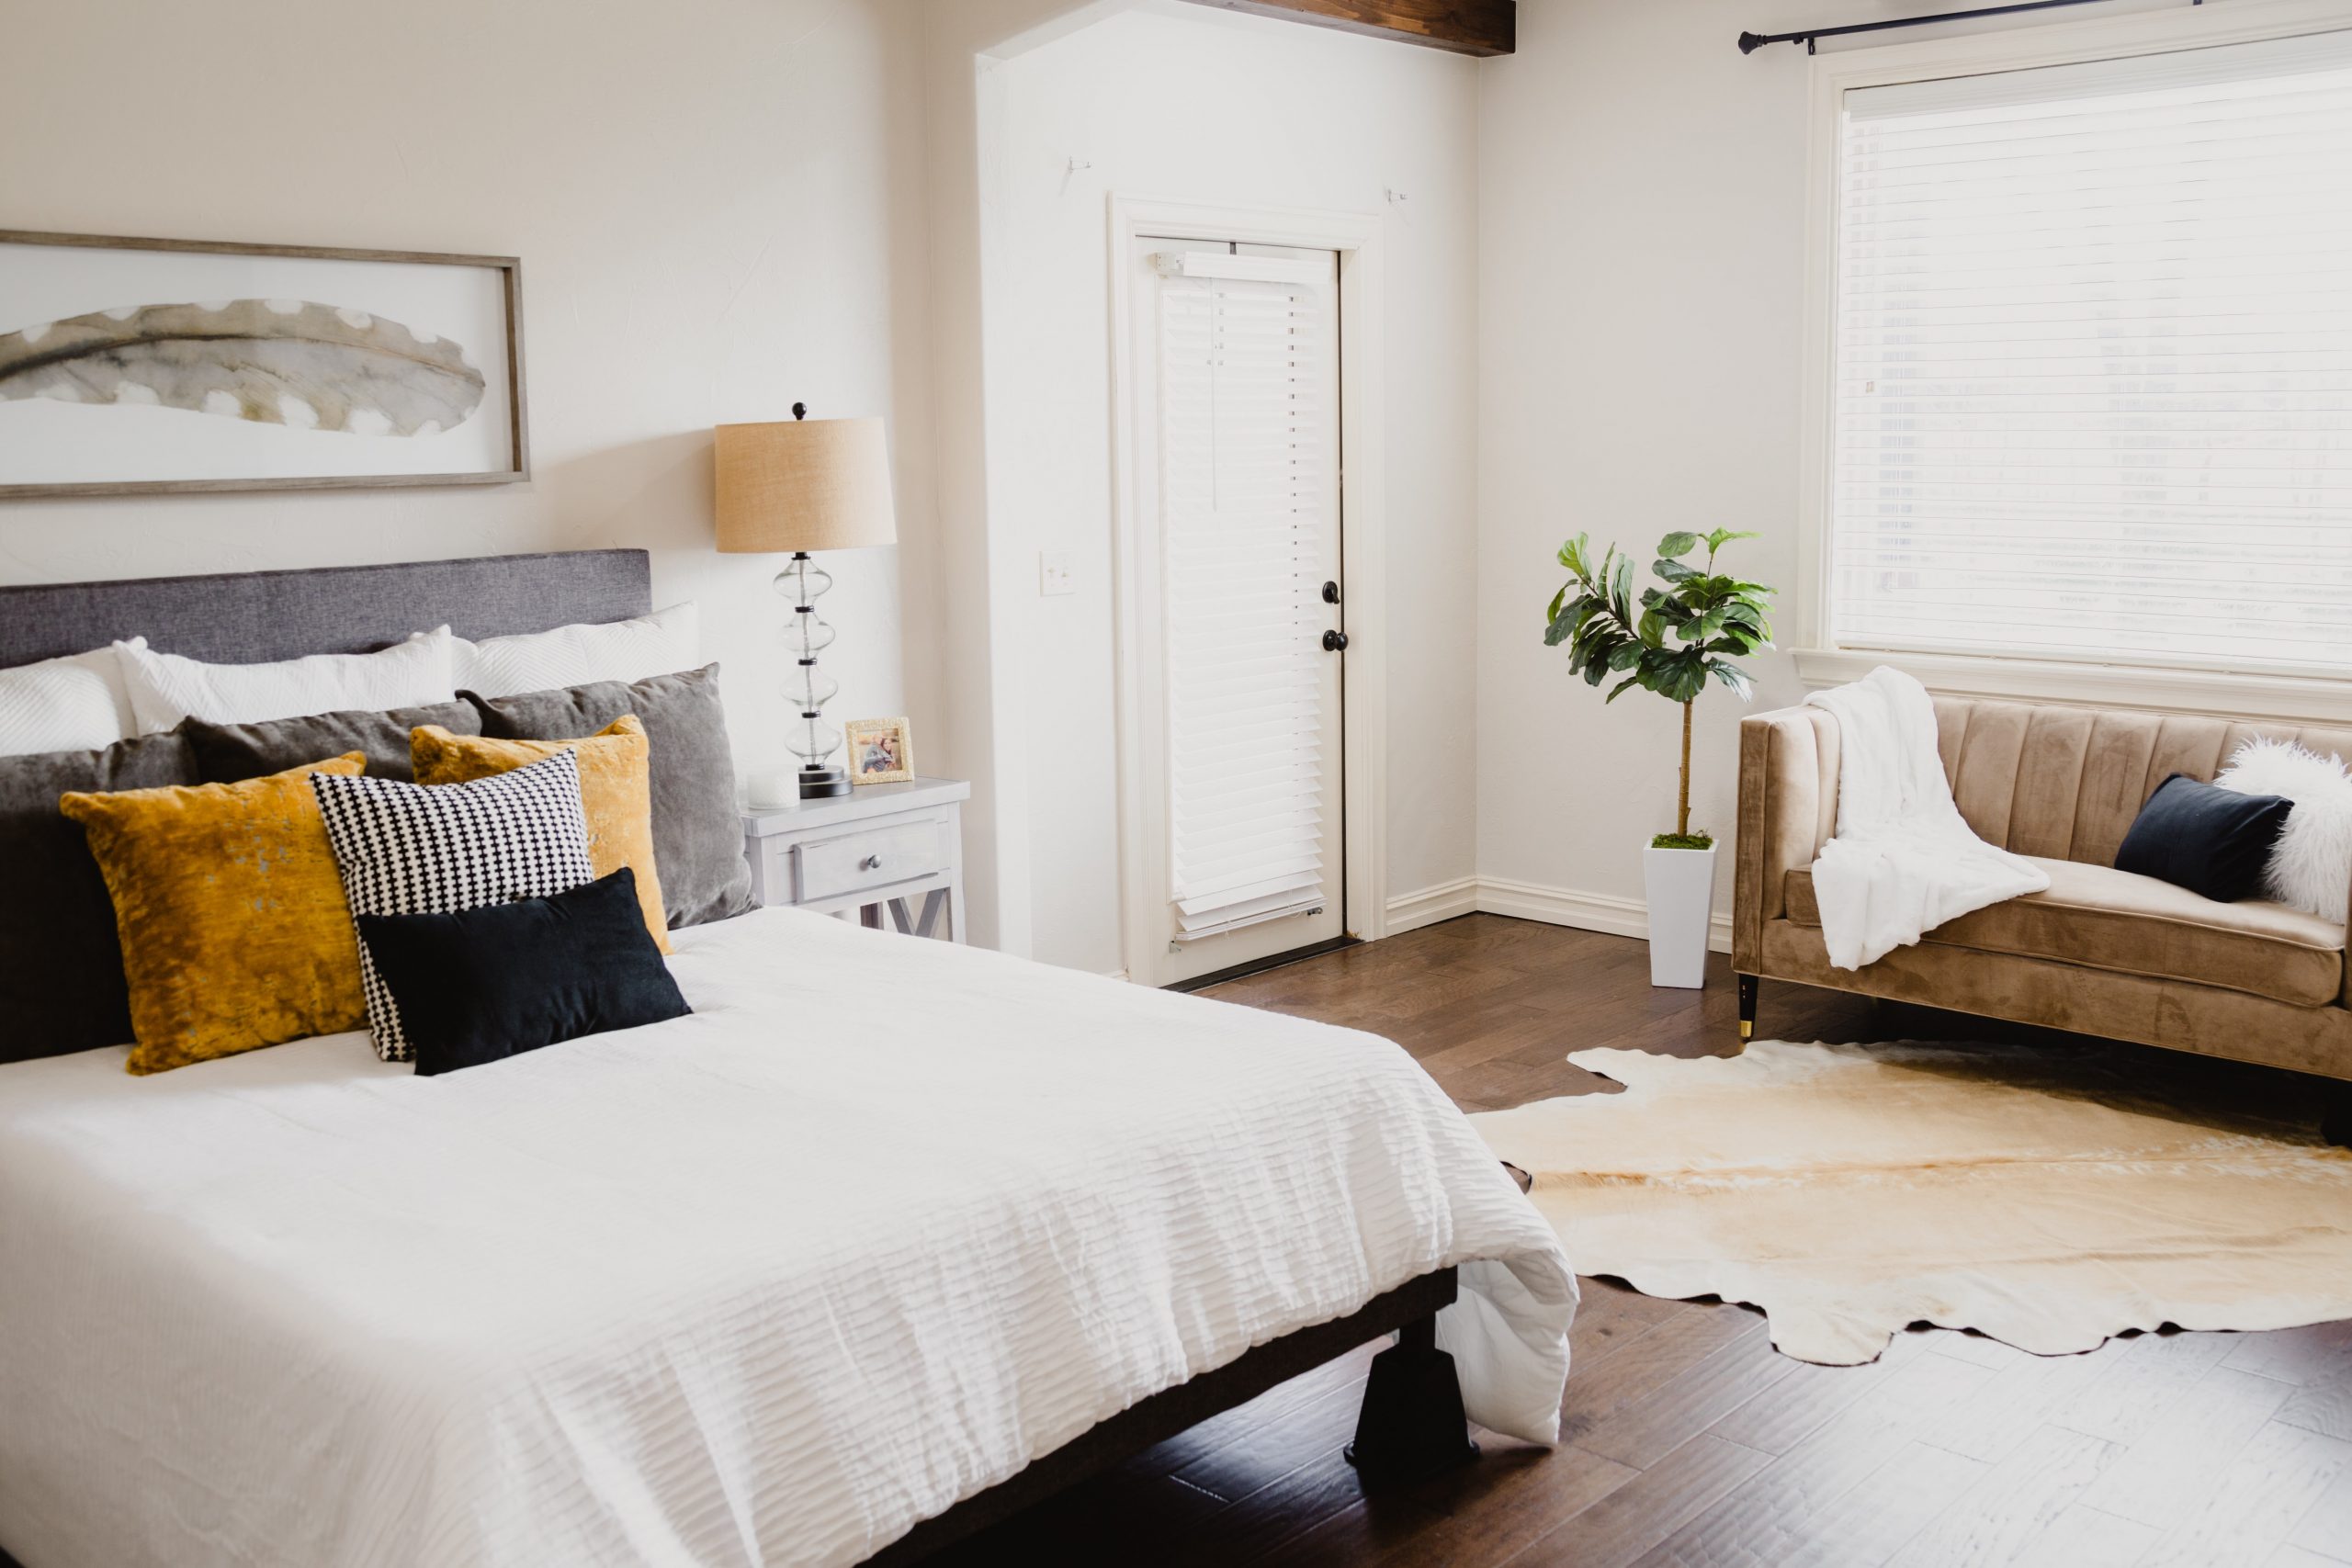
2045,1197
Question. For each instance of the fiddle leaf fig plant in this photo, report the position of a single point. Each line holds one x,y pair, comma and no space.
1672,640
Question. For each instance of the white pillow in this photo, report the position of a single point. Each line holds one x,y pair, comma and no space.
166,688
2310,866
74,704
659,644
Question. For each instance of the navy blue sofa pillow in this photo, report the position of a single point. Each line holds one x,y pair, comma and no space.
2204,837
482,984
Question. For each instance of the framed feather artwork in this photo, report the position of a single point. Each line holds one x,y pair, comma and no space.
130,365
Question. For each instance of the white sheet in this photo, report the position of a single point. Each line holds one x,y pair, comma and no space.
1904,860
883,1221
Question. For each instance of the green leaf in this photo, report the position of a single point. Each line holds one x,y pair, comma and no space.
1685,677
1621,688
1593,646
1674,571
1722,536
1677,544
1703,627
1669,608
1621,589
1652,630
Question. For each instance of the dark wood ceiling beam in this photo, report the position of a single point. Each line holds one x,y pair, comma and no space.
1464,26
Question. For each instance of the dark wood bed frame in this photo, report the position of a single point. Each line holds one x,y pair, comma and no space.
1411,1425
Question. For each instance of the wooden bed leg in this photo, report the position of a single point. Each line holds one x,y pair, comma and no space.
1411,1427
1748,985
2336,1117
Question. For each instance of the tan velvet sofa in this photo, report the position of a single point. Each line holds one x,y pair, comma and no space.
2102,952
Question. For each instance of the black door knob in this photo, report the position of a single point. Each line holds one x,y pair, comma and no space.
1335,642
1330,593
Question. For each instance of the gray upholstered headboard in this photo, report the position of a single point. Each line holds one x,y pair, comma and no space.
249,618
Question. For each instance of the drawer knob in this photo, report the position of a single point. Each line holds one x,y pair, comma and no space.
871,862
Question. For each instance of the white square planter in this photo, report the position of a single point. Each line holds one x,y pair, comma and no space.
1681,889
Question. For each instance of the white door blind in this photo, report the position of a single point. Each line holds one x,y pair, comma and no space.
2093,392
1244,366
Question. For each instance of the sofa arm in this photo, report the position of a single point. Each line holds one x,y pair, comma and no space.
1787,808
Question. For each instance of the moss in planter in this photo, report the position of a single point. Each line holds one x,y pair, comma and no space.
1683,841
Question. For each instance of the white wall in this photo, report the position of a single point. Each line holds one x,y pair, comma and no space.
1183,103
1640,250
1642,255
718,204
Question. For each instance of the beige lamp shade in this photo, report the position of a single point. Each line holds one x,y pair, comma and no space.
805,484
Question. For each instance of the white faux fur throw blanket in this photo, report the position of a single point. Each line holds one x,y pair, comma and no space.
1903,861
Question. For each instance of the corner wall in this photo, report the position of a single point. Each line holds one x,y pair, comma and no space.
1186,104
1641,253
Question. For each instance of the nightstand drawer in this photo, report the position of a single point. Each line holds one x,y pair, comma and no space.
875,858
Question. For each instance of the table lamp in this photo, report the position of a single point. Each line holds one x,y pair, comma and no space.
802,485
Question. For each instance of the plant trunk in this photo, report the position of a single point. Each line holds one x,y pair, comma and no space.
1682,803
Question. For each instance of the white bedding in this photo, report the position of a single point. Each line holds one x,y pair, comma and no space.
884,1220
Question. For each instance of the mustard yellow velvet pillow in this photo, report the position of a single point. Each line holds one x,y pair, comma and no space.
234,929
616,793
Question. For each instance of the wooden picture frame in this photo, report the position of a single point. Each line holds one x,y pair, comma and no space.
387,396
873,744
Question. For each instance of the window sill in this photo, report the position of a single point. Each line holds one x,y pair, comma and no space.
2229,695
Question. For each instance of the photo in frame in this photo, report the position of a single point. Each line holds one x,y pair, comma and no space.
879,750
134,365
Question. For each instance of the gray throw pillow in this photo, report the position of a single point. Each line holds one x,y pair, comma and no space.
697,830
61,963
228,752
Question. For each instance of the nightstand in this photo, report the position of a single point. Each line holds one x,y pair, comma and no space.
892,850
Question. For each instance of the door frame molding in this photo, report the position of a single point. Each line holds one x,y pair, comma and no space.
1363,587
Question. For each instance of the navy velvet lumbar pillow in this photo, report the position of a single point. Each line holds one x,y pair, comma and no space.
2203,838
482,984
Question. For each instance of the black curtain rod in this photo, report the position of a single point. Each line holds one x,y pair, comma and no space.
1750,42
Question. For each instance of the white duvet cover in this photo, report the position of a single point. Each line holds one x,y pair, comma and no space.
881,1222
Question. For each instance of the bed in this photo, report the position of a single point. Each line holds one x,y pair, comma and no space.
886,1238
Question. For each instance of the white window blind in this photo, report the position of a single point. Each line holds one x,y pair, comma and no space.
2093,387
1243,370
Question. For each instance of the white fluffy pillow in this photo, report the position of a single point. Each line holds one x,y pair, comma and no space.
2311,866
74,704
659,644
165,688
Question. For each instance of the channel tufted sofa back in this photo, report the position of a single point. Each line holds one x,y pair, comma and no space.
2065,782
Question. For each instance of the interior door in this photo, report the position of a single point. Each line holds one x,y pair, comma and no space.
1241,627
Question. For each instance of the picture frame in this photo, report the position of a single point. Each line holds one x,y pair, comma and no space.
881,750
132,366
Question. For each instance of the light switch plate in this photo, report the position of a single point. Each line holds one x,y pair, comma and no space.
1055,573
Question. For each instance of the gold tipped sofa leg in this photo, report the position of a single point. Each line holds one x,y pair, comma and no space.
1748,985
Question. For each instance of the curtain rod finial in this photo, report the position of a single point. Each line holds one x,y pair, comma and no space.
1750,42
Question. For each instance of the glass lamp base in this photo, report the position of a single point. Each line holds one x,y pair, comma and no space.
822,783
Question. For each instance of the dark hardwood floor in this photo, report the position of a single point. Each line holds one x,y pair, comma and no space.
1687,1440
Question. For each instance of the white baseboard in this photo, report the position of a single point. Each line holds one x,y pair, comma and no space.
1530,901
1431,904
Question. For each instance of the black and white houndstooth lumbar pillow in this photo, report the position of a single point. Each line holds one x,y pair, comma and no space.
407,848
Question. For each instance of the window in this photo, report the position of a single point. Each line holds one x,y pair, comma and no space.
2091,391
